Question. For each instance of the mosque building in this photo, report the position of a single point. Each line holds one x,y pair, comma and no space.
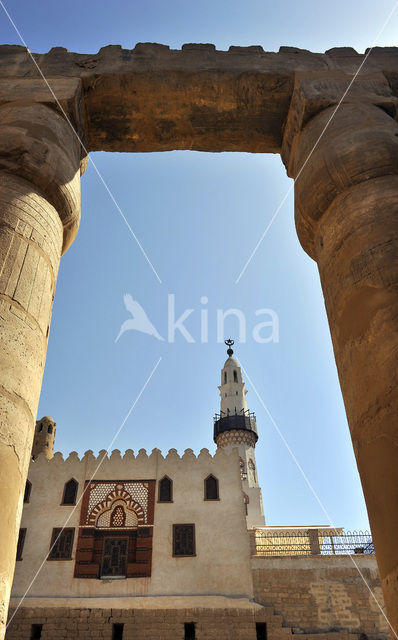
170,547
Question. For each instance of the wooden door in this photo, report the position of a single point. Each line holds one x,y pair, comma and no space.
114,557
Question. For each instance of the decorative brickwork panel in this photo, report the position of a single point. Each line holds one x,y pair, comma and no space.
103,496
235,437
184,540
111,511
118,517
141,562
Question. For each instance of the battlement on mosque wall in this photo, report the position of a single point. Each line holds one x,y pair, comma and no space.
142,464
129,455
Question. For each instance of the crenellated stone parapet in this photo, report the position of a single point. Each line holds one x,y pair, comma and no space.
116,457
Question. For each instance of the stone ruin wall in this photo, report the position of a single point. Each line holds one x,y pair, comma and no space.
322,593
233,622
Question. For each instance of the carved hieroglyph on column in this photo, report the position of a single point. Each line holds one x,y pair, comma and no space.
39,217
346,215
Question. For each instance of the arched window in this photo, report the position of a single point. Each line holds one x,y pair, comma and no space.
118,517
40,427
252,466
211,488
225,377
28,488
235,376
49,429
165,490
246,501
70,492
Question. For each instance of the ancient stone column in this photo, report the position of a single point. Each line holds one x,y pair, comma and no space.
346,207
39,217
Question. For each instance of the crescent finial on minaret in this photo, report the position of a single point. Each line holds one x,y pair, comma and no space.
229,344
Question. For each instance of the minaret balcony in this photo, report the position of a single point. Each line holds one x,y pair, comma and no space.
243,421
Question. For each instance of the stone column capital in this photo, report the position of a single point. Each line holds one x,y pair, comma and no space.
329,151
319,90
39,141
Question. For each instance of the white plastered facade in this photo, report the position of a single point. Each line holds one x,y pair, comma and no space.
221,565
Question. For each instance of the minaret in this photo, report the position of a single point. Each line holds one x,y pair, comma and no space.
43,441
235,428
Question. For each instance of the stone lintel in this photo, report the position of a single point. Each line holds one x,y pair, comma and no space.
153,98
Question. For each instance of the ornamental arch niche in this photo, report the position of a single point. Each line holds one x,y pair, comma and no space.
119,514
244,99
135,508
116,510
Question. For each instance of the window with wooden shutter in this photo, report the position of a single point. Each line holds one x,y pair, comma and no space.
61,544
184,540
114,557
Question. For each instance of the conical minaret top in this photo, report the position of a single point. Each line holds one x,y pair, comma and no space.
232,389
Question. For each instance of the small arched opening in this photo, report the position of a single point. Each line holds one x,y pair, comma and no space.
70,492
211,488
165,490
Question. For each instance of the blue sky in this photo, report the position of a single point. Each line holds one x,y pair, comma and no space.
198,216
